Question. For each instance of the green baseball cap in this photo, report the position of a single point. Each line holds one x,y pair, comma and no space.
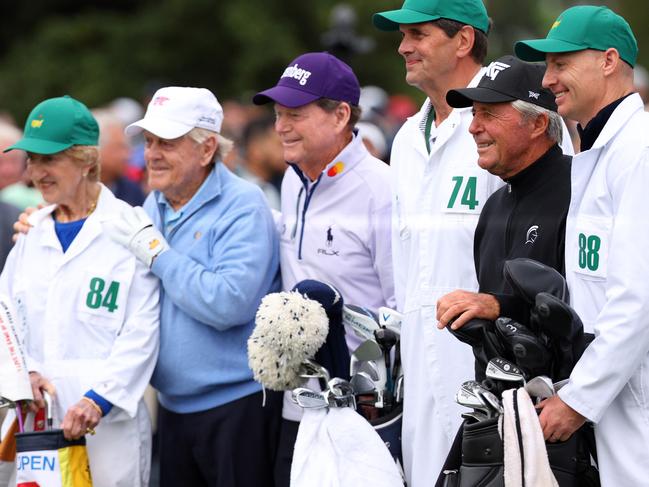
583,27
57,124
470,12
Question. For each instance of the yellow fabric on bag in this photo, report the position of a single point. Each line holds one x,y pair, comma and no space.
75,469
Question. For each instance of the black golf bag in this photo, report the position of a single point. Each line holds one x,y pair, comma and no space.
549,344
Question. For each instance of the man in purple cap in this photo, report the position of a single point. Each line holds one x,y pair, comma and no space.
335,222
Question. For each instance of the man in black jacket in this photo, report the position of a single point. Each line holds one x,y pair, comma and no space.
518,132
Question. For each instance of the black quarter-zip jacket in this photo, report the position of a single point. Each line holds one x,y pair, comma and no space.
525,218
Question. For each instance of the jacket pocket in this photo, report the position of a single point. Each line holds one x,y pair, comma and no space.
590,247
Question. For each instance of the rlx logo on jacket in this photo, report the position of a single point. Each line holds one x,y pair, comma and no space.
329,243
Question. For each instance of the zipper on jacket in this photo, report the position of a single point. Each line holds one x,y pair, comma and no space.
309,193
508,246
297,213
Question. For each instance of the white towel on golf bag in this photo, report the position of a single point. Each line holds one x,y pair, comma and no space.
338,448
536,468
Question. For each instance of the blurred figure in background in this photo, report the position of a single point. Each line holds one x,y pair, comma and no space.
8,215
641,83
14,189
374,139
114,153
262,158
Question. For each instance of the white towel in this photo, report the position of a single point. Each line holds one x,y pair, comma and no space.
337,448
537,472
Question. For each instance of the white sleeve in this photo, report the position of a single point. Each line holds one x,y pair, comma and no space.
382,252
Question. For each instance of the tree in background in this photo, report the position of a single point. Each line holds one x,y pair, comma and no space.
98,51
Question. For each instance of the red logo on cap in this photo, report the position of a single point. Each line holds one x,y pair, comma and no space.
160,100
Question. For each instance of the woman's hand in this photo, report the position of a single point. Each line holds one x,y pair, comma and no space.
22,225
80,419
39,384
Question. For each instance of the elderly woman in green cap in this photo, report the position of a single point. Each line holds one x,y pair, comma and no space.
87,309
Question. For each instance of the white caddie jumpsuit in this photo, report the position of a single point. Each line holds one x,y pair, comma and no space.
88,319
607,268
437,199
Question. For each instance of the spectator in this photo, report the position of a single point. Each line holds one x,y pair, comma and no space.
114,153
14,188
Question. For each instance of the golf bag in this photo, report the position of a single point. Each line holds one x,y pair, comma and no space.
549,344
299,345
47,459
483,458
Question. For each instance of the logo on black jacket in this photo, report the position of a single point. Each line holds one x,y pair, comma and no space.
532,234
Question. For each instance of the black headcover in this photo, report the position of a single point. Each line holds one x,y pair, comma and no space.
481,336
334,354
556,319
528,277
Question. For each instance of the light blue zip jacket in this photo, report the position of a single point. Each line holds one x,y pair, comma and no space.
224,258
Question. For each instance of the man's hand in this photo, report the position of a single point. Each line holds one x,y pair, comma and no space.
135,231
459,307
558,420
80,419
22,226
39,384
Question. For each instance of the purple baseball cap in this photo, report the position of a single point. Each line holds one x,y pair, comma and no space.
310,77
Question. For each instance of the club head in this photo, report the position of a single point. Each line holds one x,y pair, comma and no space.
492,400
540,387
370,368
362,383
468,386
340,394
308,399
361,320
390,319
500,369
369,351
489,402
340,386
468,399
386,338
310,369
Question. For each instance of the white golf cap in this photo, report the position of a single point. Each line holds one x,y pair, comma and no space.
173,111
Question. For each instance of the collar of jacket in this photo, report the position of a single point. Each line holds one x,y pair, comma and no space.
588,134
339,166
533,174
99,214
618,119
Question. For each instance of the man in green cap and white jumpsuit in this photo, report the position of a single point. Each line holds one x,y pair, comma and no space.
590,52
438,193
